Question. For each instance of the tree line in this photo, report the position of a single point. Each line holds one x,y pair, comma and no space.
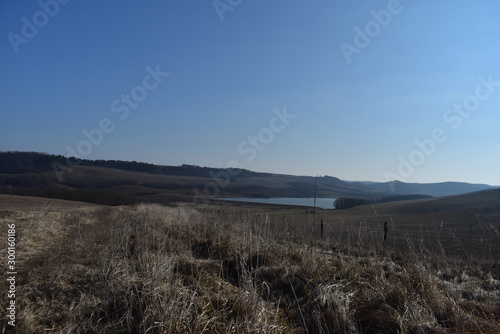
342,203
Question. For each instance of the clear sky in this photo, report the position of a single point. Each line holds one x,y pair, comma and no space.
360,90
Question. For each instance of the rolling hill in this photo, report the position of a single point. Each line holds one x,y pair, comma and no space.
480,201
114,182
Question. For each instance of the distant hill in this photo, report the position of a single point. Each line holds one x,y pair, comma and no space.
474,208
432,189
114,182
484,199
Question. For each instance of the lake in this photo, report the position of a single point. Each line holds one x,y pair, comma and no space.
324,203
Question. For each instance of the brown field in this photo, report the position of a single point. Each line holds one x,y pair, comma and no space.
246,269
27,203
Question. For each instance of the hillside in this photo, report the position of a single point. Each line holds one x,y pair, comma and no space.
8,203
480,201
113,182
449,223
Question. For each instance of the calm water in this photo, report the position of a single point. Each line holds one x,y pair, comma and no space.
325,203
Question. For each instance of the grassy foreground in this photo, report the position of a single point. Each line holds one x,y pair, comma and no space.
155,269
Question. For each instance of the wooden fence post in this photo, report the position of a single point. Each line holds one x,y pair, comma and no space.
386,229
322,228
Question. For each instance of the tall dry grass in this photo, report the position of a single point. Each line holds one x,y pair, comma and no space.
155,269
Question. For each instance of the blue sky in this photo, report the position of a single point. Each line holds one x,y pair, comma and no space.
233,66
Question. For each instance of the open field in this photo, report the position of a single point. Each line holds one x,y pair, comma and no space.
157,269
455,225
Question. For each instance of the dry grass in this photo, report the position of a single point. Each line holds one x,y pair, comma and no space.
154,269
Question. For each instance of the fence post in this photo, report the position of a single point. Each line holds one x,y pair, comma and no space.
322,228
386,229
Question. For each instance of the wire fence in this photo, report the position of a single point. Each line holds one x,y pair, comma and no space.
477,239
474,240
